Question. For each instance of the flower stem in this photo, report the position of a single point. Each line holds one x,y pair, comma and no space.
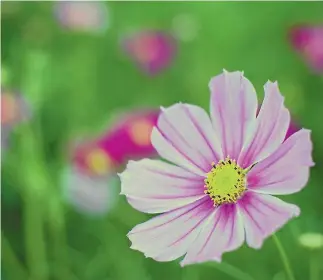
190,273
35,240
284,258
58,238
34,188
231,270
14,268
314,267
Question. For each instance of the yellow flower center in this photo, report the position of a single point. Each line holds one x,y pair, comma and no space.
226,182
99,161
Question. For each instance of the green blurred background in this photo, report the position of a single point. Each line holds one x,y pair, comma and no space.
76,81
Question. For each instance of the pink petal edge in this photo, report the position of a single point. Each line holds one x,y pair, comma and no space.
286,170
224,232
180,129
153,186
233,110
263,215
168,236
271,127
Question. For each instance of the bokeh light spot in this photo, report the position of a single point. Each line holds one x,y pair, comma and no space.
140,132
99,162
9,108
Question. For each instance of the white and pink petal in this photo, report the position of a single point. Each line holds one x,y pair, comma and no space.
233,110
184,136
168,236
222,233
286,170
270,130
263,215
153,186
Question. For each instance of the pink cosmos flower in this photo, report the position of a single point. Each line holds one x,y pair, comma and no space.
127,138
215,190
89,183
308,41
152,50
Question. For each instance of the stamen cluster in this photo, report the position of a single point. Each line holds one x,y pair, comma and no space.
226,182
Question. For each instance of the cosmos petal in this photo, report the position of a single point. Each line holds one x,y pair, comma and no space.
169,235
285,171
154,186
270,130
191,226
222,233
263,215
233,110
184,136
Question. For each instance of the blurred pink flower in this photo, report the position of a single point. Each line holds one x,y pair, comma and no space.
95,163
127,138
308,41
14,110
85,16
218,191
152,50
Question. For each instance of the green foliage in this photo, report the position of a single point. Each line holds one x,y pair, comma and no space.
75,82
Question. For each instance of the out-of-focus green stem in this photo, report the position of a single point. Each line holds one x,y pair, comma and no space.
58,237
231,270
190,273
42,202
124,269
33,190
34,239
12,265
314,267
30,166
284,258
36,62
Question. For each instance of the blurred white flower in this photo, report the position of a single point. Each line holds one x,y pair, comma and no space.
83,16
311,240
90,194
